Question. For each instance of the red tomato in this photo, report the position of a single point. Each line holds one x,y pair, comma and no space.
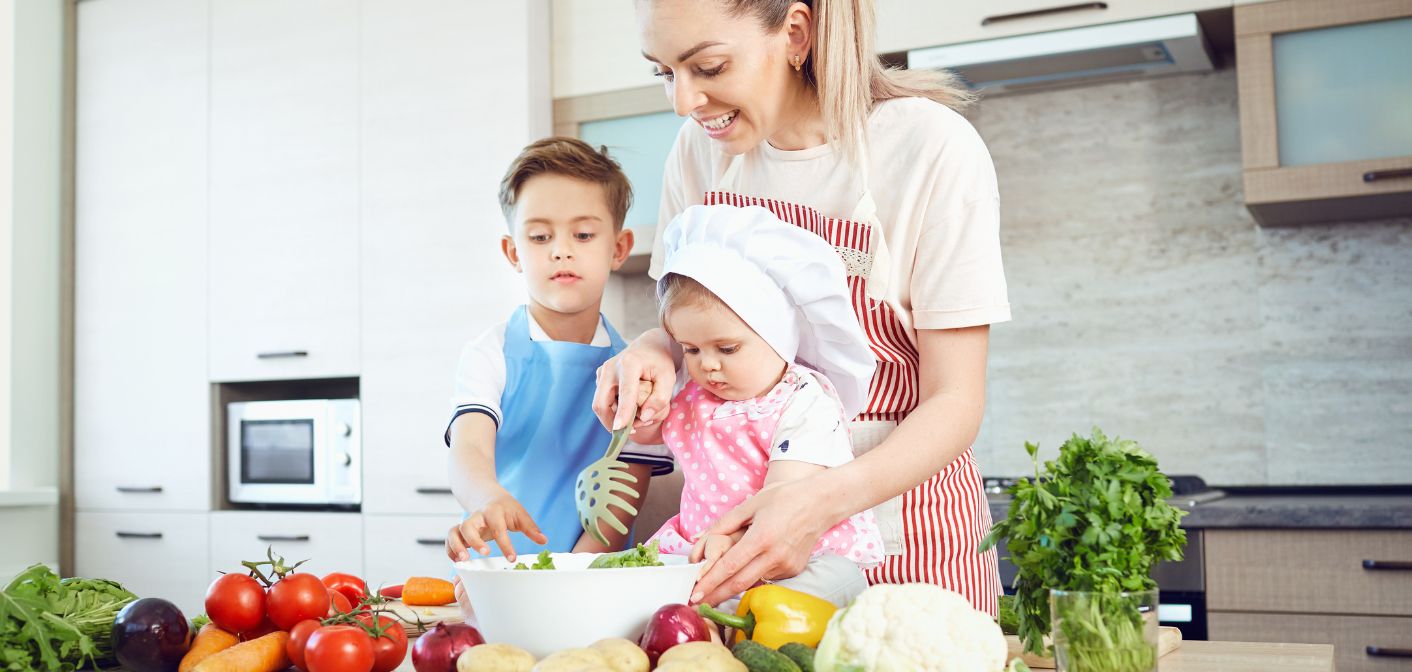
338,603
264,628
295,598
235,603
298,640
389,649
339,648
350,586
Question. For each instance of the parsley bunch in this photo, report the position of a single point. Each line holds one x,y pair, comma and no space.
1096,519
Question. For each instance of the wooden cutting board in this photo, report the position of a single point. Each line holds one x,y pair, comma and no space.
1168,639
430,616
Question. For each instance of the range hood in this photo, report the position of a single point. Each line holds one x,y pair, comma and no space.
1141,48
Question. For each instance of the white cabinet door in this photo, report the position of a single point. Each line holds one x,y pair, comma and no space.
912,24
152,554
433,153
284,189
397,547
141,436
331,542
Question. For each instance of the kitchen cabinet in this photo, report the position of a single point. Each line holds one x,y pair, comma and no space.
595,49
432,274
1325,129
397,547
284,189
152,554
141,431
331,542
913,24
1350,588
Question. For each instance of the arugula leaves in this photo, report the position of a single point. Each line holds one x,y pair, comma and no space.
1096,519
46,623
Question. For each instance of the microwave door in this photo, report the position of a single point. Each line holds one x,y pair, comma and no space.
279,453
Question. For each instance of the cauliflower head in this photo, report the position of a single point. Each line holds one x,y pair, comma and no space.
914,626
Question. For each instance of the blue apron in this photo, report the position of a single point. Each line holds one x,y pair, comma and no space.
549,432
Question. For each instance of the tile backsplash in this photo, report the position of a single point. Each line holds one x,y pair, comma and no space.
1148,302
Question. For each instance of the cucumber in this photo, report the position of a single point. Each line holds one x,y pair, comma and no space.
761,658
802,656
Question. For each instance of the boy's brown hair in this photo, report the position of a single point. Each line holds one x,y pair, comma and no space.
569,157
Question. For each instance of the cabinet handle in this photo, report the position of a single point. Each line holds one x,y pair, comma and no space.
139,535
998,18
432,542
433,491
282,354
135,489
1388,565
1387,652
282,537
1375,175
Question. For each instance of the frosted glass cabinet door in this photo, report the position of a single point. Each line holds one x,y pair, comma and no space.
640,144
1344,93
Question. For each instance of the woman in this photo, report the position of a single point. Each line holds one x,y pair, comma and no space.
790,110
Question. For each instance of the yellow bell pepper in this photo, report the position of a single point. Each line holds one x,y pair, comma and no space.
774,616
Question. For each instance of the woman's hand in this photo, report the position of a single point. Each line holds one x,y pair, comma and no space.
782,524
501,515
645,359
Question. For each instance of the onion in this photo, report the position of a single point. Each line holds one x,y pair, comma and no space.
438,649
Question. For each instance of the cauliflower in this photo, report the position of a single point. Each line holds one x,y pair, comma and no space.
915,626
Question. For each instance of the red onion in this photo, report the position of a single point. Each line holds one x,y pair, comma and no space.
438,649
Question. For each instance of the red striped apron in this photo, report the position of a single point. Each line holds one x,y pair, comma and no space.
936,527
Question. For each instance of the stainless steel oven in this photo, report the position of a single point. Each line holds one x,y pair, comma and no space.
305,452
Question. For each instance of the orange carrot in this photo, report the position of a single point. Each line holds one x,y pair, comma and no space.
262,654
210,640
425,591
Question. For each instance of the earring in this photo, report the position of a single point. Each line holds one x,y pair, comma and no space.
796,62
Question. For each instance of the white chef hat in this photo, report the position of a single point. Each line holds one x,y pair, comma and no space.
788,284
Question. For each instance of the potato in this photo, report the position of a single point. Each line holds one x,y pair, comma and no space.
622,655
574,660
701,656
495,658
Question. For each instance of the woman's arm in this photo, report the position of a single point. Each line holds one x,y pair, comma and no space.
785,522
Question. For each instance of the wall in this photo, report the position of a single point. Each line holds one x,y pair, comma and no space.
1148,302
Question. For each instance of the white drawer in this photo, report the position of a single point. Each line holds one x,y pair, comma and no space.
331,542
412,482
401,546
152,554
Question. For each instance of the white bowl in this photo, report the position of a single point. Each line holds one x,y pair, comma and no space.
543,611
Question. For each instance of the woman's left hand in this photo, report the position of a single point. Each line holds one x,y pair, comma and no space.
782,525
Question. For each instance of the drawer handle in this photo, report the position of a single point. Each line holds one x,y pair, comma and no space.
998,18
1375,175
1388,652
139,535
433,491
431,542
1388,565
282,537
138,490
283,354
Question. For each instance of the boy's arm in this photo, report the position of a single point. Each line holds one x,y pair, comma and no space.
472,461
586,542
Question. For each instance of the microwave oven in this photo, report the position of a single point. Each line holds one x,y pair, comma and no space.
304,452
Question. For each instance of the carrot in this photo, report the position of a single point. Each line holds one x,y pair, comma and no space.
425,591
262,654
210,640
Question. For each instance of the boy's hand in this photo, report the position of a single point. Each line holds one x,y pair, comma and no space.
500,516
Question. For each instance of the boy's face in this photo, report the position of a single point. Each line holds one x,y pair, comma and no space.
564,243
722,353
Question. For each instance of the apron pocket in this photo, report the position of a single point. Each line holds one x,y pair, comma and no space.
867,435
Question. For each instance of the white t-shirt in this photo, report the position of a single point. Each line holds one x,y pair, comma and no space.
934,185
812,427
480,382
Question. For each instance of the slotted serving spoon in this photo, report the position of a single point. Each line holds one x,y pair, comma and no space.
601,485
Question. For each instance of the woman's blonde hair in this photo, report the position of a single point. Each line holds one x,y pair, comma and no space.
842,68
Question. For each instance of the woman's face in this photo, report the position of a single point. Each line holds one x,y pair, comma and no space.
726,72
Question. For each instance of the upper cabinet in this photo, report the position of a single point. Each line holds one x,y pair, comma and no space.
141,437
284,189
1326,109
913,24
596,48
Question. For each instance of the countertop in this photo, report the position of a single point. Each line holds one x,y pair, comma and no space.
1198,656
1253,509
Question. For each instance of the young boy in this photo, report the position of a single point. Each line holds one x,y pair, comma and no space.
523,425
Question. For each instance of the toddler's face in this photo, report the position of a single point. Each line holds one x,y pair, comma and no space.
723,354
564,242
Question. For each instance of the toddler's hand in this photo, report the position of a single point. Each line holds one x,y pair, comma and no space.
710,548
500,516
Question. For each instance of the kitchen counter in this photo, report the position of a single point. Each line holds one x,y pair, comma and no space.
1255,510
1198,656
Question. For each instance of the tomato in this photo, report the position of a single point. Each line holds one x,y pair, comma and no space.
295,598
339,648
264,628
389,649
348,585
298,640
338,603
235,603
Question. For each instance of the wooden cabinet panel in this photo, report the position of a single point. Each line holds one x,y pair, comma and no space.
152,554
1312,571
331,542
1350,635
